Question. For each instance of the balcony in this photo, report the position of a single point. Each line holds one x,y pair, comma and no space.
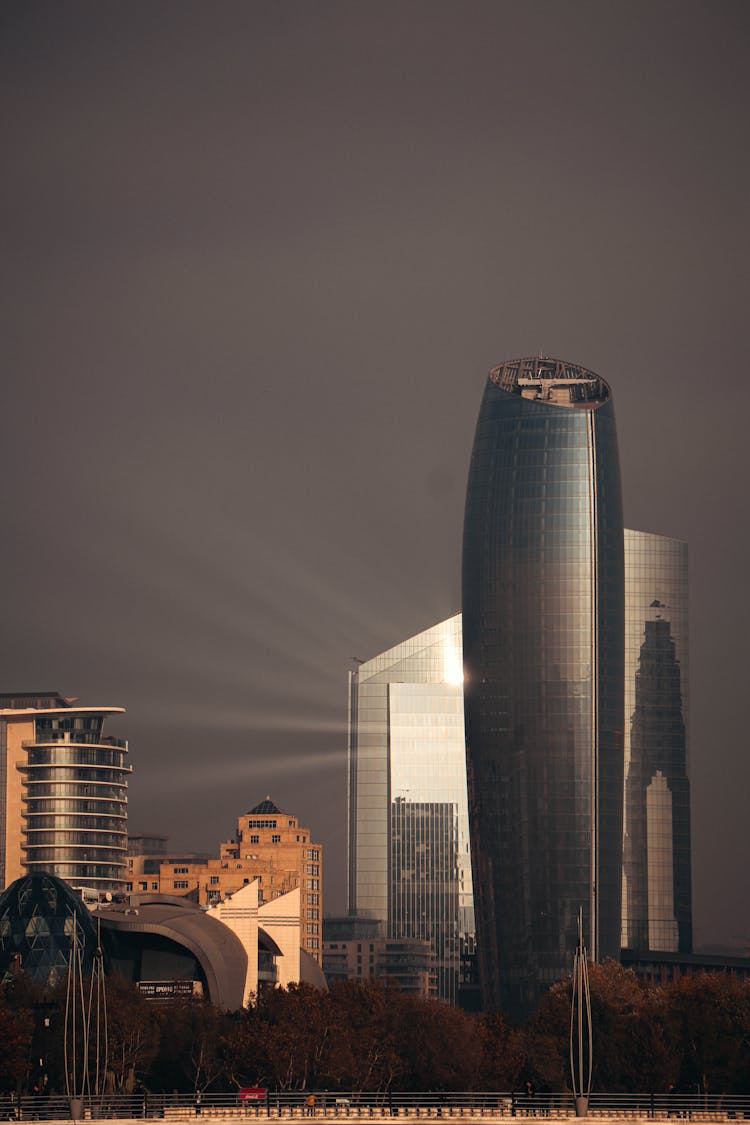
76,738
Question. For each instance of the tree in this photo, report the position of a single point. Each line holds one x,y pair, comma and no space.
709,1019
190,1054
16,1034
133,1035
500,1054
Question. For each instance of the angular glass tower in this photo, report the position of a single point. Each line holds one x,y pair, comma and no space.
409,863
543,613
656,895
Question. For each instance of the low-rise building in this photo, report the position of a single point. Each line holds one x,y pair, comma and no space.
270,848
356,949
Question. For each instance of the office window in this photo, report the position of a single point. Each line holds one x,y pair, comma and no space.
180,870
180,884
275,838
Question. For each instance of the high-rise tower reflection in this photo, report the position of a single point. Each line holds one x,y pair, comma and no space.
656,900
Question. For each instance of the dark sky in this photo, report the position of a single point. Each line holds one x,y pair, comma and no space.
257,259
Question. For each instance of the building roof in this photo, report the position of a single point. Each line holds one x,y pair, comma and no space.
555,382
218,950
264,807
35,922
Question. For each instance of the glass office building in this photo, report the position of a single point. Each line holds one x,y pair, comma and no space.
656,900
543,611
409,860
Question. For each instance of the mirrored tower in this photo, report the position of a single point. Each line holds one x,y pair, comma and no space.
543,609
409,862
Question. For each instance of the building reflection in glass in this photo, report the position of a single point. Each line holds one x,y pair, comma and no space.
657,906
409,861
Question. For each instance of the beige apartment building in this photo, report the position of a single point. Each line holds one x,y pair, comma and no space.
271,847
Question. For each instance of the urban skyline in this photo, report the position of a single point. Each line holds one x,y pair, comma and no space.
247,321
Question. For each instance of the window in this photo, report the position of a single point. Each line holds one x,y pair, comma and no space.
144,886
261,823
312,885
154,886
180,884
180,870
214,880
128,886
312,900
276,839
312,869
255,839
312,913
291,824
312,853
311,928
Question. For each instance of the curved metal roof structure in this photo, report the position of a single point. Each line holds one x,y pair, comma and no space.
218,951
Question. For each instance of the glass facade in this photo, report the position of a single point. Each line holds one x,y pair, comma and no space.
656,899
543,611
75,807
409,860
38,914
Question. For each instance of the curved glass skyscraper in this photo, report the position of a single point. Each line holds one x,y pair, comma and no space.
543,620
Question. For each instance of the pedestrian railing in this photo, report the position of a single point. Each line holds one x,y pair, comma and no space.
291,1105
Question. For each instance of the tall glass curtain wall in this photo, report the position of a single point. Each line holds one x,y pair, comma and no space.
409,861
543,644
76,802
656,900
